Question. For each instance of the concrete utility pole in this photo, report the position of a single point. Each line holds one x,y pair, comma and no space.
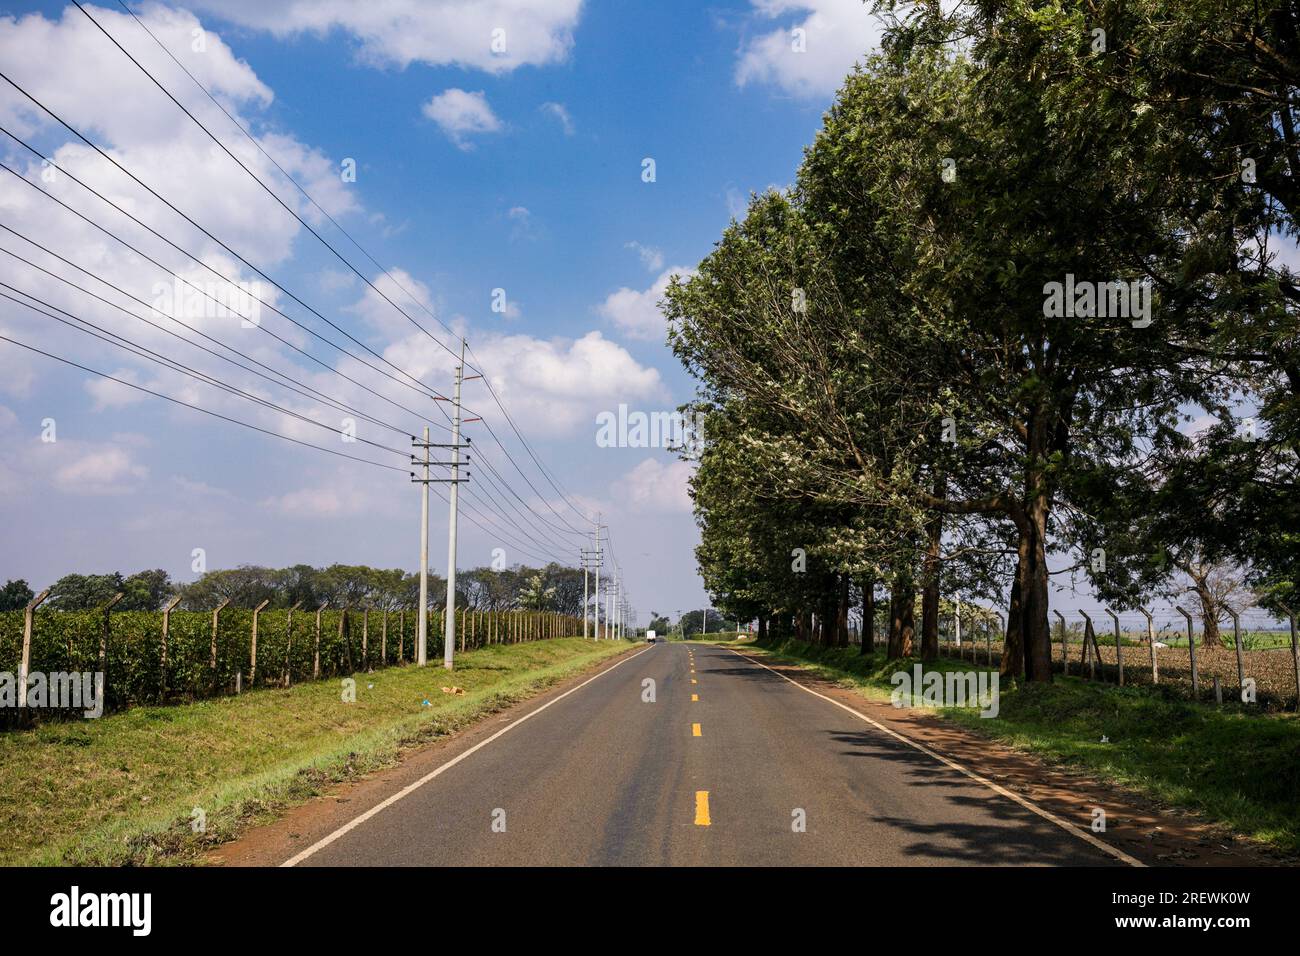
449,638
596,623
617,629
422,628
589,562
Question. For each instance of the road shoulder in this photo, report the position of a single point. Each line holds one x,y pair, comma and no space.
302,826
1154,835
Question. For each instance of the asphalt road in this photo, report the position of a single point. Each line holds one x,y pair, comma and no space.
719,770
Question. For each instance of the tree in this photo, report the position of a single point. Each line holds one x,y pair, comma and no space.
145,591
84,592
536,596
15,595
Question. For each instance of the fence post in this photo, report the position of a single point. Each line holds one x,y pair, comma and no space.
345,638
383,640
1065,651
103,637
252,647
212,655
315,661
1191,650
1151,643
25,666
365,638
1295,655
166,632
1119,649
1090,653
1236,641
288,643
401,634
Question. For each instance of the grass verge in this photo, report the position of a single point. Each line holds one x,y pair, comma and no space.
1235,768
122,790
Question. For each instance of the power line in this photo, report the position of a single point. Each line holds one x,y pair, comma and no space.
284,172
305,390
216,140
497,399
310,331
269,191
545,472
197,408
157,357
196,225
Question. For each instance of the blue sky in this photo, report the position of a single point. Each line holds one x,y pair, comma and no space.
477,169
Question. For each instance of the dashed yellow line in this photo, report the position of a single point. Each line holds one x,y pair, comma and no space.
694,681
702,808
694,698
695,730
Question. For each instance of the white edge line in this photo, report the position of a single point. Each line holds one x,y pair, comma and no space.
1003,791
411,788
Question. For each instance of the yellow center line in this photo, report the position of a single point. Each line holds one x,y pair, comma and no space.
694,681
702,808
695,730
694,697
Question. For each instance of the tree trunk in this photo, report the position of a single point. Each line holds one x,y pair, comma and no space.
868,616
902,600
1013,649
1209,611
842,618
907,627
1033,594
930,579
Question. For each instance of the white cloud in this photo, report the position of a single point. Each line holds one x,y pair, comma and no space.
835,34
105,471
561,115
72,466
637,313
345,490
386,321
657,486
461,114
521,223
436,32
552,387
100,92
108,394
651,258
737,202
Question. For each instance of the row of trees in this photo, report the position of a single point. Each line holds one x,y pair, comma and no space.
1032,241
550,588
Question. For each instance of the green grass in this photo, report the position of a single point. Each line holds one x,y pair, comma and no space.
1238,769
121,789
